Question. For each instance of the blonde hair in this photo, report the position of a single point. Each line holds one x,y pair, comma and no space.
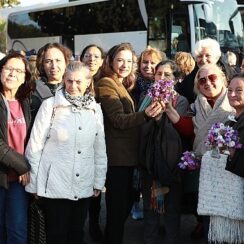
154,52
185,62
213,67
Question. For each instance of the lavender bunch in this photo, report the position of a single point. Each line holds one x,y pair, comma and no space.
223,137
162,90
189,161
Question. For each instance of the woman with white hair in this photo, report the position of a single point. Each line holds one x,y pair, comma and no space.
207,51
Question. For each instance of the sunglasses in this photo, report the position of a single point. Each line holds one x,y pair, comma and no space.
212,78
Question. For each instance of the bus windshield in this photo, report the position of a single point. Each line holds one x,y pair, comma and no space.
221,23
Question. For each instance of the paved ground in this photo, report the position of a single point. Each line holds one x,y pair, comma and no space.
134,229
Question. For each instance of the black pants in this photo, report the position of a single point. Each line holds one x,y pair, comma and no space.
65,220
94,209
172,213
119,200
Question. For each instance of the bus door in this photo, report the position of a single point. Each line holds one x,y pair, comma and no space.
168,26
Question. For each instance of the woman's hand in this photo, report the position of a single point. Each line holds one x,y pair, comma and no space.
154,109
232,152
24,179
96,192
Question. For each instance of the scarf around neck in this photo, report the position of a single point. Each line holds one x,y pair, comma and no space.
80,101
206,116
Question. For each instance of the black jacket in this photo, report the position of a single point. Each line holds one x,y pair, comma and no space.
9,158
236,163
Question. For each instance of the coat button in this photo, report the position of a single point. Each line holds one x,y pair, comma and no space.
77,175
79,128
79,152
75,197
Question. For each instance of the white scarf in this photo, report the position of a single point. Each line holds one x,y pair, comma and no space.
206,116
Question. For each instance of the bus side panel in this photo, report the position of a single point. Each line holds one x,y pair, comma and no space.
138,39
31,43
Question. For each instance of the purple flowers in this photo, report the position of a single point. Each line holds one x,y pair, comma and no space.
162,90
189,161
223,137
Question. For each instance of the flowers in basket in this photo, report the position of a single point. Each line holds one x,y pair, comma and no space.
162,90
221,137
190,161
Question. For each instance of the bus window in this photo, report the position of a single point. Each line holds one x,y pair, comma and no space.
209,22
168,26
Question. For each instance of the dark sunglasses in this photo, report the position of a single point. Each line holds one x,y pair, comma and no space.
212,78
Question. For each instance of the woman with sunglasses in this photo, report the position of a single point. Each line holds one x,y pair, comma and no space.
15,89
210,106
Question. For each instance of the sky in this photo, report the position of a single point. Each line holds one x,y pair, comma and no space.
33,2
26,3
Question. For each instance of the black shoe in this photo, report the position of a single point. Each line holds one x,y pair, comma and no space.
96,233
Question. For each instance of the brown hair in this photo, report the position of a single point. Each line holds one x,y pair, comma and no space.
107,67
28,86
41,55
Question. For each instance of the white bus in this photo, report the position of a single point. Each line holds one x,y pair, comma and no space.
170,25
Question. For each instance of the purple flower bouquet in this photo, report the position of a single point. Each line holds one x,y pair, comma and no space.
162,90
189,161
221,137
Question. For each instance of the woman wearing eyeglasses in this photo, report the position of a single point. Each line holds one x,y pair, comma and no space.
92,56
210,106
15,88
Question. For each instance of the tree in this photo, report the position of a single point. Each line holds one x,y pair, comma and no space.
8,3
2,36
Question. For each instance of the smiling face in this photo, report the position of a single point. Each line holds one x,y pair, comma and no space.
210,82
236,94
54,65
122,64
76,82
206,56
13,75
164,72
93,59
147,65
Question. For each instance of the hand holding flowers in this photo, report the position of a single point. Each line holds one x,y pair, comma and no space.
162,91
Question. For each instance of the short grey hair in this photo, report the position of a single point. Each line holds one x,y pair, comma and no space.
212,44
74,66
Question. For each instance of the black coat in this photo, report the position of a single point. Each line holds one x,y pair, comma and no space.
9,158
236,163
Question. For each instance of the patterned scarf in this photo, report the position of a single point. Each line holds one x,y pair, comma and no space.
79,101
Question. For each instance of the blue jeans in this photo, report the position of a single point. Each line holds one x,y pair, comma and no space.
13,214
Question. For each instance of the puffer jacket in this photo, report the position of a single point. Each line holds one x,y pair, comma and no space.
67,150
9,158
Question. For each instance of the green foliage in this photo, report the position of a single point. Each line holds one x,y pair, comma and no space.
8,3
2,36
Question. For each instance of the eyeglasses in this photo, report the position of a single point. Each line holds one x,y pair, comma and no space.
11,69
212,78
92,56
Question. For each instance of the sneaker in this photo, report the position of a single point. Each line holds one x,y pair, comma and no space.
136,211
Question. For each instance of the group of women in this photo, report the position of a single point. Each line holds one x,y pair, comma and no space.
85,132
